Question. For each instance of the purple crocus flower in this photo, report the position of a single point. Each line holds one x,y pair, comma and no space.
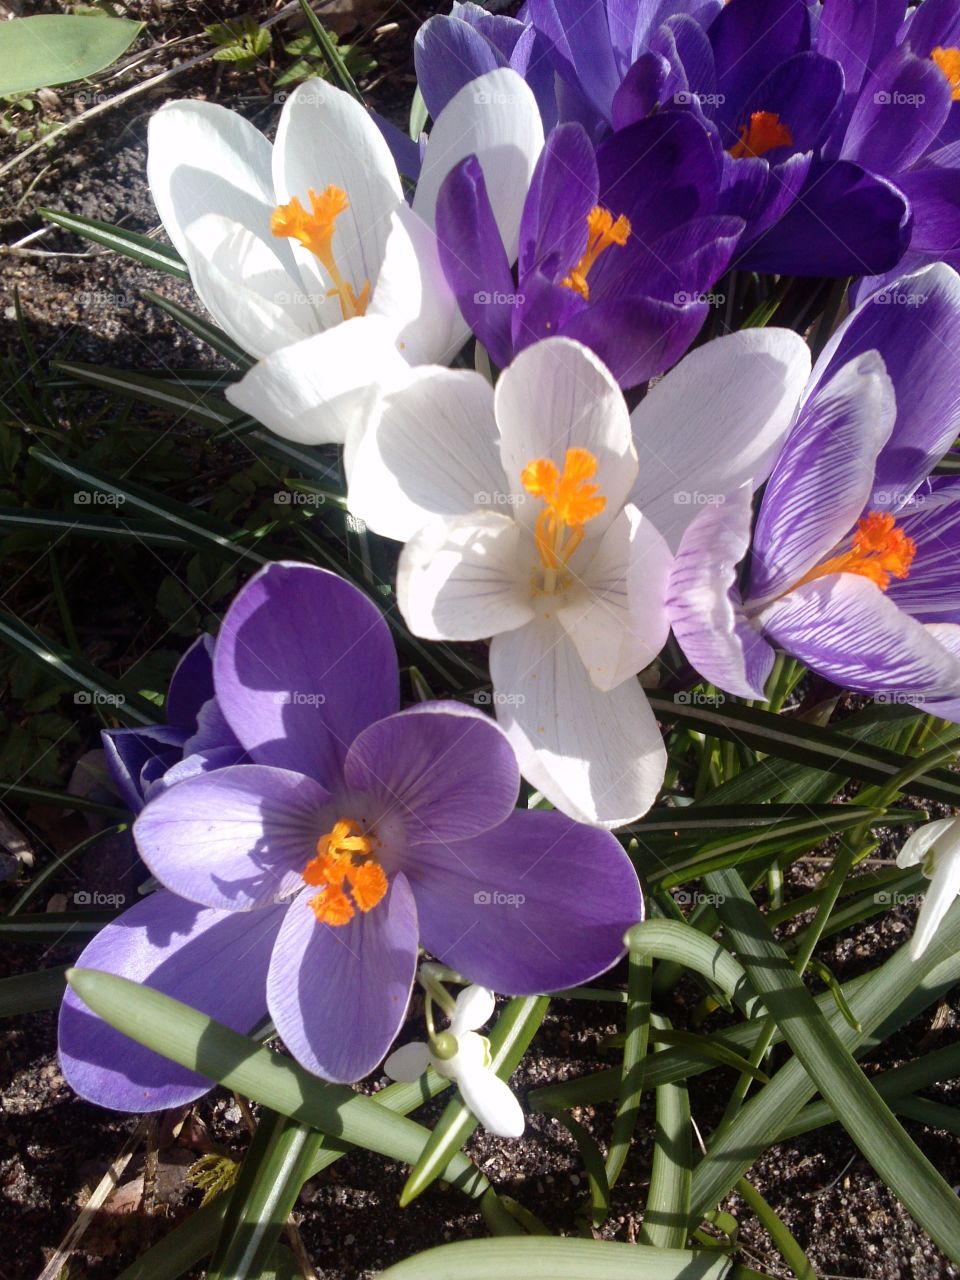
303,882
853,560
751,71
901,112
617,246
144,761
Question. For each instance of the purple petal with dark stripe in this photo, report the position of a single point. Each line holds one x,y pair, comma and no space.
821,482
539,902
563,190
931,590
704,603
214,961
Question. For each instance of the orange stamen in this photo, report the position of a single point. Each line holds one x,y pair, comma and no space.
762,134
948,60
879,551
570,501
352,879
314,230
602,232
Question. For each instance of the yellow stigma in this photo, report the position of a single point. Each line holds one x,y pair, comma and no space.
879,551
351,877
602,232
314,230
948,60
569,499
762,134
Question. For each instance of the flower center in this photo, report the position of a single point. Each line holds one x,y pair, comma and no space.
314,230
879,551
351,877
762,134
569,499
948,60
602,232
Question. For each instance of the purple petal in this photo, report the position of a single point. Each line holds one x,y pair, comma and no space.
191,684
805,92
473,258
844,222
537,903
761,195
563,190
934,196
844,627
649,82
445,771
543,310
215,961
749,37
678,266
637,338
338,995
821,482
706,611
659,172
303,662
935,22
448,54
236,838
857,34
904,104
915,325
931,590
198,762
683,41
580,46
127,751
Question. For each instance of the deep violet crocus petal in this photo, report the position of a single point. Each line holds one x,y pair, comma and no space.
638,338
236,838
473,258
580,46
858,34
338,995
215,961
844,222
563,190
443,771
748,38
303,662
805,92
902,108
537,903
448,53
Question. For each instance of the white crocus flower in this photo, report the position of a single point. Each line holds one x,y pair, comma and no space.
459,1054
544,515
306,252
935,847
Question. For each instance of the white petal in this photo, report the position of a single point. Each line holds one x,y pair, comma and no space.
245,286
495,118
432,452
473,1007
326,138
917,845
616,615
458,580
408,1063
492,1102
716,421
557,395
596,756
202,158
318,390
413,292
937,901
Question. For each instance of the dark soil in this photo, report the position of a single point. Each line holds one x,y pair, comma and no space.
54,1149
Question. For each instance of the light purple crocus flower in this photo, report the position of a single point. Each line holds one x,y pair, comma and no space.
854,558
302,883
